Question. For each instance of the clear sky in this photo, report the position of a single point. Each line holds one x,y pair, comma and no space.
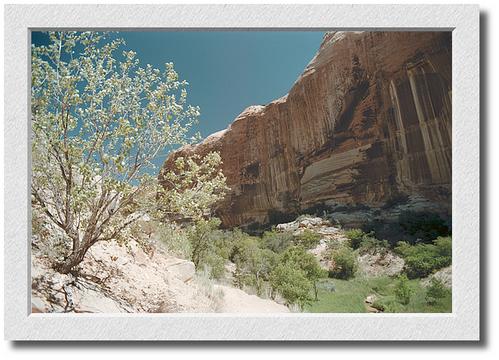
227,71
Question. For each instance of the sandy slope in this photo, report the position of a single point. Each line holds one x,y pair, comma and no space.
237,301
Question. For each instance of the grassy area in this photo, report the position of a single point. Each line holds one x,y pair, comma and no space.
347,296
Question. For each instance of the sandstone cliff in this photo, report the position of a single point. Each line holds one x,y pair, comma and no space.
367,123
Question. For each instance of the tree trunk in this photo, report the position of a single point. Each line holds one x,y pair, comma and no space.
72,260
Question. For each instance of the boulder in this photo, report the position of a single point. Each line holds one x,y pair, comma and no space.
183,269
444,275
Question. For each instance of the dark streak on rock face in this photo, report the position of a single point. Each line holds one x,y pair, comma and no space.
368,122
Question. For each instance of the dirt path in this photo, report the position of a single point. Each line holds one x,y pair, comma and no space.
237,301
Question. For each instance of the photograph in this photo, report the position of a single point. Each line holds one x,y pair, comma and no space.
240,171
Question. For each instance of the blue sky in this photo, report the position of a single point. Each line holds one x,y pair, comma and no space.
227,71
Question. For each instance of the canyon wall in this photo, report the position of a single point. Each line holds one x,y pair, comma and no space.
367,124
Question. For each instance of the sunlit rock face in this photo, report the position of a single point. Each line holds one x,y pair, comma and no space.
367,123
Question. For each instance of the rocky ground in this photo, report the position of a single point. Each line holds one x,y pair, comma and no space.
115,278
380,264
370,264
329,235
444,275
134,278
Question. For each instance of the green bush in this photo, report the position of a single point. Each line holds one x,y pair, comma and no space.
403,249
208,246
444,246
292,284
345,263
436,291
308,239
277,241
253,263
371,245
298,257
214,264
355,236
403,291
175,240
366,242
423,259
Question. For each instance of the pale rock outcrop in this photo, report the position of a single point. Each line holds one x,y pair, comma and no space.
330,236
383,263
116,278
444,275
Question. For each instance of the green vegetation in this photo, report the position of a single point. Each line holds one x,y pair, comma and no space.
175,240
308,239
254,264
345,263
423,259
355,236
99,121
347,296
207,246
299,258
436,292
365,242
280,241
278,264
292,274
371,245
292,284
277,241
403,291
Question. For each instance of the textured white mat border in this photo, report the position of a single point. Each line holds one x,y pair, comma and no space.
462,324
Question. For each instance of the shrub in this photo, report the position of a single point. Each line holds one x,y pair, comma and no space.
308,239
436,291
372,245
444,246
206,244
175,240
214,264
403,249
345,263
299,258
253,263
99,122
277,241
422,259
292,284
403,291
355,236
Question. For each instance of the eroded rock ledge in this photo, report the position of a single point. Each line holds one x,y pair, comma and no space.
368,122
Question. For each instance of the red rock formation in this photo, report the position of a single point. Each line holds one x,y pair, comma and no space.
367,121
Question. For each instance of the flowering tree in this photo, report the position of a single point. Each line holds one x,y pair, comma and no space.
99,120
191,186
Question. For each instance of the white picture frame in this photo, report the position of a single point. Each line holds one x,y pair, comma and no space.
464,321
